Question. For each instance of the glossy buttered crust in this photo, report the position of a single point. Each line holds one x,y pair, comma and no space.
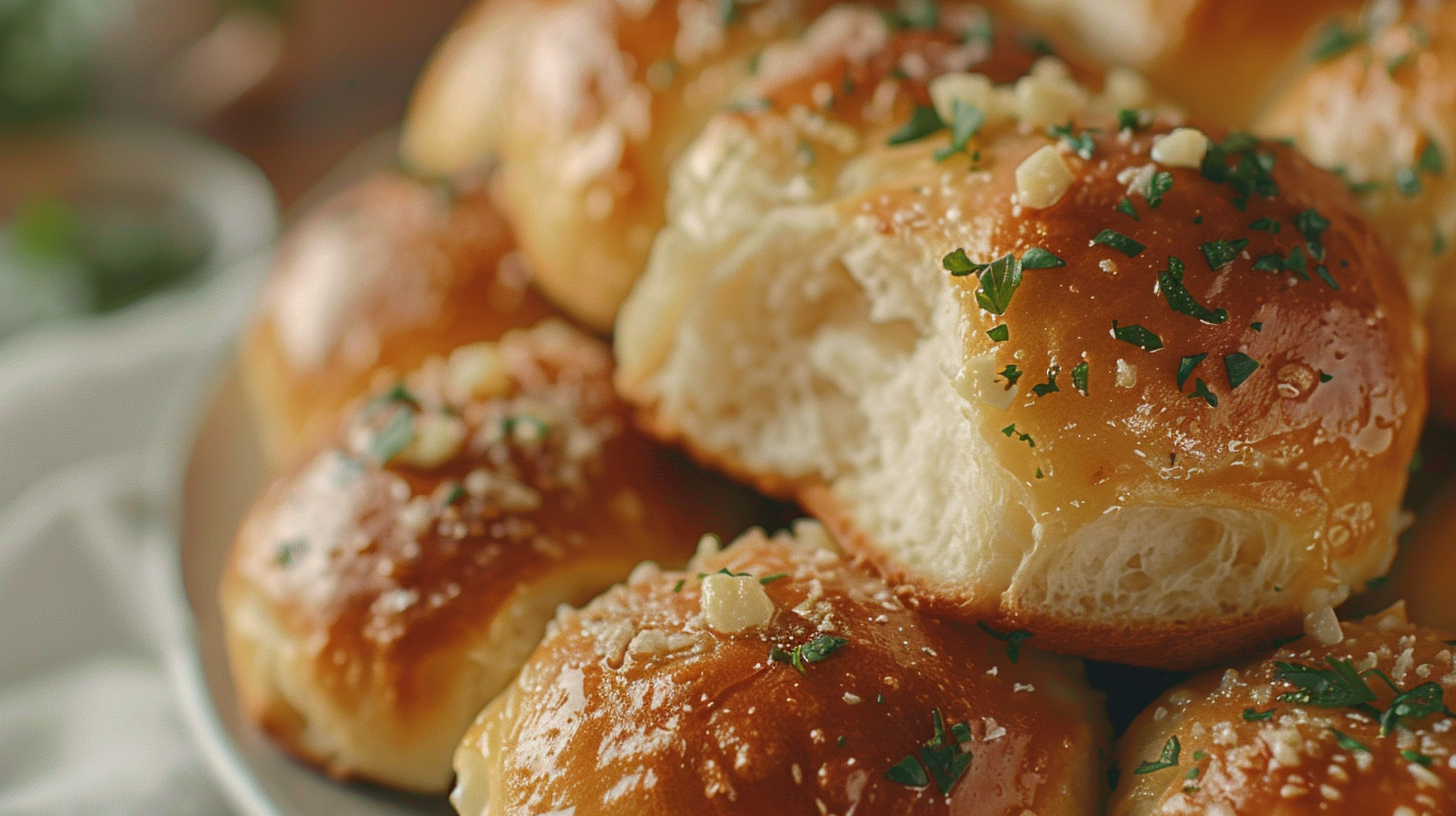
586,104
1382,111
1288,392
382,593
1222,59
637,704
364,288
1244,748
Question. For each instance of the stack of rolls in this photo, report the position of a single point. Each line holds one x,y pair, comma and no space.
1066,362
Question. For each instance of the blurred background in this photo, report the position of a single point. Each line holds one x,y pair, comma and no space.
292,85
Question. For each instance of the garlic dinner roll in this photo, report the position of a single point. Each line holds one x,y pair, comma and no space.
366,287
1381,109
1221,58
1360,727
378,597
1425,572
1144,389
586,104
776,677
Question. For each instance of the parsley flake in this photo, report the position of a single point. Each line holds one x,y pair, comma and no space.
924,121
1126,207
1010,431
1080,143
942,759
1079,377
1312,225
999,334
1158,187
1011,373
1131,119
1266,224
1013,640
1038,258
1421,701
966,121
1335,40
1118,241
958,264
1138,336
1416,757
1169,758
1239,367
1250,715
1048,387
1348,742
1431,160
1186,366
1180,300
769,579
1407,182
1222,253
1338,686
814,651
999,281
1200,391
395,436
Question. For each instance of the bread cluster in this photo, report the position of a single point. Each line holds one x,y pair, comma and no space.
1082,331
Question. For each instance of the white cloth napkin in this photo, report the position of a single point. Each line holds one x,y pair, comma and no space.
89,722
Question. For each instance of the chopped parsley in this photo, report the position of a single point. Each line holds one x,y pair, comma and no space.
1118,241
958,264
1013,640
942,759
1048,387
1324,274
1335,40
1222,253
395,436
1169,758
1158,187
1324,377
1080,143
289,550
1250,715
1266,224
1132,119
1186,366
1312,225
966,121
1338,686
1416,757
923,15
999,334
1239,367
457,492
820,648
1038,258
1138,336
1257,326
924,121
1421,701
1431,161
1079,377
1011,373
1200,391
1180,300
1251,172
1010,431
1348,742
769,579
1126,208
999,281
1272,262
1407,182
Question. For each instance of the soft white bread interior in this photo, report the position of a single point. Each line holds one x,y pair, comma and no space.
367,286
586,104
1220,58
1360,726
1187,429
384,591
1381,110
778,677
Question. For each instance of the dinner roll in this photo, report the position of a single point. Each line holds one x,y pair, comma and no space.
587,103
1382,111
776,677
1425,572
378,597
1359,727
1221,58
365,287
1187,429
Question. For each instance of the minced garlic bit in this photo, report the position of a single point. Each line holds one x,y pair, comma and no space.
1184,147
1126,374
732,603
438,437
997,104
476,371
1048,95
1042,178
1324,626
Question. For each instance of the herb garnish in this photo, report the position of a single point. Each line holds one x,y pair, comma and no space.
1250,715
1420,701
1266,224
1200,391
1038,258
1080,143
958,264
1138,336
1222,253
395,436
1335,40
1339,686
1013,640
1011,373
1130,119
1186,366
814,651
999,334
1159,186
1048,387
1431,160
1170,282
1079,377
1169,759
1118,241
1312,226
999,282
1010,430
1348,742
966,121
924,121
942,757
1251,172
1416,757
769,579
1126,208
1239,367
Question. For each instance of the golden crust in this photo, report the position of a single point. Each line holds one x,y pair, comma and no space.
1294,758
1383,112
366,287
586,104
374,606
673,716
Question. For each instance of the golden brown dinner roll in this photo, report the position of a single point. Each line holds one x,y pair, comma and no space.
382,594
1359,727
1381,110
776,677
587,103
1221,58
368,285
1144,389
1425,572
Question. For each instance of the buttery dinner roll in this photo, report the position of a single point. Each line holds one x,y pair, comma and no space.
1360,727
587,103
1381,110
1188,428
776,677
1221,58
1425,573
366,287
382,594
